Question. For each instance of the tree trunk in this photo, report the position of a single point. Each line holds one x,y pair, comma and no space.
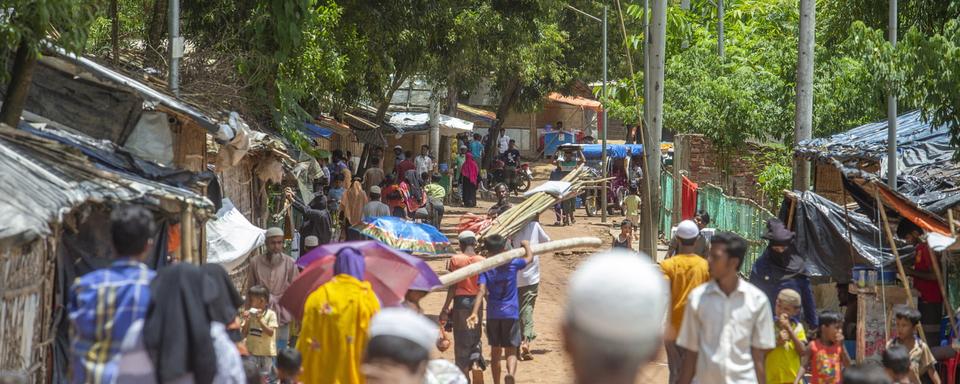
453,95
19,87
803,123
656,52
115,30
155,29
507,98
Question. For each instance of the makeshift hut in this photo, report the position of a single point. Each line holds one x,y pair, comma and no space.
59,189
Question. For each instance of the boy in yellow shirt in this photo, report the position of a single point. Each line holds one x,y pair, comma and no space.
684,272
783,362
259,328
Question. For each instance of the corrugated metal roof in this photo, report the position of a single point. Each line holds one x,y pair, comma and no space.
42,180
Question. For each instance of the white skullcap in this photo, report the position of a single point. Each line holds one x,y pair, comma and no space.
466,235
311,241
619,296
274,232
687,230
405,324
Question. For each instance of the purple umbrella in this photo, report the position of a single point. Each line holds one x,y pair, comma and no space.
426,280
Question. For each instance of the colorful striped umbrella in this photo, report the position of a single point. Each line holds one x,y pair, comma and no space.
405,235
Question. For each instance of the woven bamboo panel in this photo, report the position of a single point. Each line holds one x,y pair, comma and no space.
26,295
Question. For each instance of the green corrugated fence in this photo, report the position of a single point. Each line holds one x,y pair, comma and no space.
738,215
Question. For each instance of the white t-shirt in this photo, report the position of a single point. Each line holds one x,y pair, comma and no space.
533,233
423,164
504,143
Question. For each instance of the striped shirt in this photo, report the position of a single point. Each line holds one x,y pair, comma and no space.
102,306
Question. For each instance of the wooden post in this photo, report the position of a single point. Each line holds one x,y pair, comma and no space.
896,257
793,208
186,234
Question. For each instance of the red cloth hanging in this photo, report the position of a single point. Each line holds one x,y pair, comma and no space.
688,198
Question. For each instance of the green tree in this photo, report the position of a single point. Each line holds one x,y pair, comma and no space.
26,25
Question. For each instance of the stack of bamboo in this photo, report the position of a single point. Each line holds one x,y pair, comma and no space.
513,220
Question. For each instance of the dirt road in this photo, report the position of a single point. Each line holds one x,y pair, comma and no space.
550,364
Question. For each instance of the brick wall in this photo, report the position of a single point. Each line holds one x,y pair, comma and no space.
737,177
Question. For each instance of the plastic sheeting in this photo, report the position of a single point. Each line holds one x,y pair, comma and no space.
616,151
420,121
833,242
927,174
231,237
151,138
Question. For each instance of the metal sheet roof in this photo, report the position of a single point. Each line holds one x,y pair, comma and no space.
43,180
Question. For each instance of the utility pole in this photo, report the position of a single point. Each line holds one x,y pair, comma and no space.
656,56
892,108
603,145
176,48
803,120
720,14
435,127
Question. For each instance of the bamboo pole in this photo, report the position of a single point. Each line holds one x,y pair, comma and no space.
896,257
186,234
505,257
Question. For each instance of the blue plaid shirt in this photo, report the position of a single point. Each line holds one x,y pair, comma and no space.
103,304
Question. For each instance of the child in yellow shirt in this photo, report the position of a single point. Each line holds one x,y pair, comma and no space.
783,362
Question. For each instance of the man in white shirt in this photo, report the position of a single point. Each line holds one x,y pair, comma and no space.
504,143
727,327
528,283
423,161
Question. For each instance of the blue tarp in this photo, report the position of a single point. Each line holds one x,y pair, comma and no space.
616,151
316,131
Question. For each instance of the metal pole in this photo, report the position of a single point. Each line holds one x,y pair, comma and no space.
720,14
603,146
176,48
892,109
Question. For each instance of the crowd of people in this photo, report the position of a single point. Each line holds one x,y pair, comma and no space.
187,323
724,329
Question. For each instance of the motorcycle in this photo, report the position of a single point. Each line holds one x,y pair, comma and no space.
496,175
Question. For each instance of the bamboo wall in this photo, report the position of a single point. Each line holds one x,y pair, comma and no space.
26,303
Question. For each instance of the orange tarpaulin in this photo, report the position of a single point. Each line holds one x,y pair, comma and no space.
913,213
578,101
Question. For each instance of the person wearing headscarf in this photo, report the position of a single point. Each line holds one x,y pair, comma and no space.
469,176
176,332
336,320
352,213
781,266
415,197
223,303
395,196
316,217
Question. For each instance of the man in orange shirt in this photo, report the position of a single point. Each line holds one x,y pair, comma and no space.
684,271
466,341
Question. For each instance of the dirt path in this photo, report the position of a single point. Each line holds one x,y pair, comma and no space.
550,364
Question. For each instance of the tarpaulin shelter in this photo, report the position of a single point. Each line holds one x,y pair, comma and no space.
927,173
834,240
58,190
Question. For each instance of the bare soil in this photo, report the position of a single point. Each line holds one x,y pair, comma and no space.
550,363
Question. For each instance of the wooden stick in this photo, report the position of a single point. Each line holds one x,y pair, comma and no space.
793,207
896,258
505,257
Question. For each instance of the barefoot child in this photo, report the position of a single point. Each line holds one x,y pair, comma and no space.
783,362
921,360
826,357
260,327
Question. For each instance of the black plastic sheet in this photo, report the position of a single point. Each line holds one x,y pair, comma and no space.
927,173
834,241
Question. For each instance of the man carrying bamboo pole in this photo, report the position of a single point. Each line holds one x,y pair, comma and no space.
499,285
467,350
